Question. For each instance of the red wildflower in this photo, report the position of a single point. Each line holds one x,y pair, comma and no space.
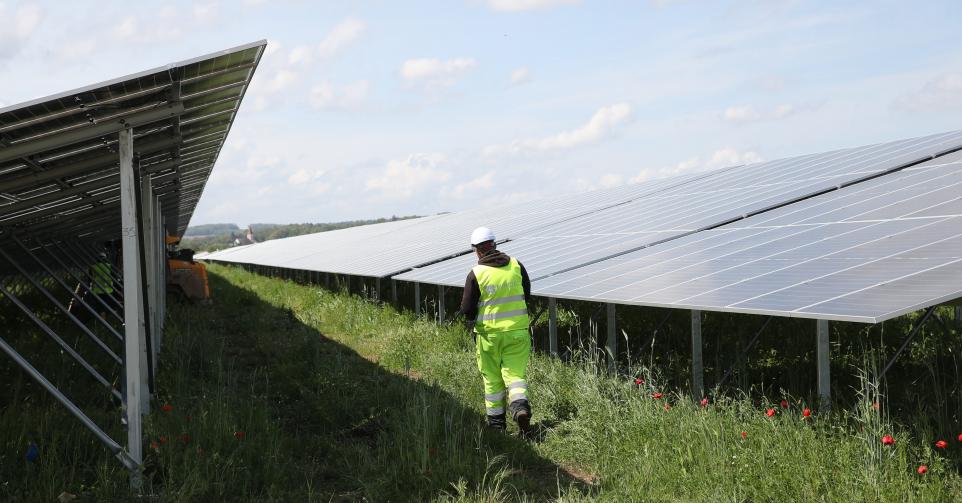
667,406
154,446
875,405
744,434
704,402
807,413
240,435
770,412
639,381
922,469
166,407
163,439
656,396
784,404
941,444
186,438
960,437
888,440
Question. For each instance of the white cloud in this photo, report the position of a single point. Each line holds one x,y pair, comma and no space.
126,29
280,81
748,113
604,123
401,179
520,76
205,12
473,188
435,72
340,36
301,54
526,5
327,95
721,158
942,92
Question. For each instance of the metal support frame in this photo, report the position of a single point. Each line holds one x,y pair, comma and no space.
417,298
135,345
553,326
741,356
824,364
905,343
958,317
393,292
612,346
440,304
92,279
697,365
90,257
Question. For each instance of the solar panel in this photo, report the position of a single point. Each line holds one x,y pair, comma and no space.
58,154
698,204
868,252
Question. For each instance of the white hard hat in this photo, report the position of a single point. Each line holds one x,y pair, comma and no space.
480,235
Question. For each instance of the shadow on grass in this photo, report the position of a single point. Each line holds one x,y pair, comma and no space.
290,413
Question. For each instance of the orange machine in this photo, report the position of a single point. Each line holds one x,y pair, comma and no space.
184,275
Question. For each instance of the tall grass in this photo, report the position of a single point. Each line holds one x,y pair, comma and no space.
291,393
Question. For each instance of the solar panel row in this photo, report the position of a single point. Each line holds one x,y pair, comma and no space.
815,236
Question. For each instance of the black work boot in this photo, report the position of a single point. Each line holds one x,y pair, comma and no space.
521,412
497,423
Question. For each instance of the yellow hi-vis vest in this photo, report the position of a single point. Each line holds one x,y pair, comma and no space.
502,307
103,283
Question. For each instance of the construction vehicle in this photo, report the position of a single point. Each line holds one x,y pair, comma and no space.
185,276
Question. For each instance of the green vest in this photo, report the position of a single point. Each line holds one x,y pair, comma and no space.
101,282
501,307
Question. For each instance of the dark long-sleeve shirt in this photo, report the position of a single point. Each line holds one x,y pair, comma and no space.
472,292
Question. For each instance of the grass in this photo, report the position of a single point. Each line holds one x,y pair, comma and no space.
287,392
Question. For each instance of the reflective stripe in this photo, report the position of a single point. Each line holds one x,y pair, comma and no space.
495,397
502,300
518,384
495,411
518,395
505,314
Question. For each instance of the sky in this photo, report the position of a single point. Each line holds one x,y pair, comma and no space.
370,109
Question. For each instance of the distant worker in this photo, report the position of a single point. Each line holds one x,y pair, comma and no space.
101,282
497,292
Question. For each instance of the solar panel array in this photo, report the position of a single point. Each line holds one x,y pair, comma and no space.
58,155
743,239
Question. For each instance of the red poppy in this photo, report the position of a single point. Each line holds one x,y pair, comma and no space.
941,444
656,396
744,434
770,412
186,438
807,413
639,381
163,439
704,402
922,469
240,435
784,404
888,440
667,406
154,446
166,407
960,437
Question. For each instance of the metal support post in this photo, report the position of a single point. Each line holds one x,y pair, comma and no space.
393,292
553,326
697,367
958,317
377,289
150,257
417,299
135,346
440,304
824,367
612,346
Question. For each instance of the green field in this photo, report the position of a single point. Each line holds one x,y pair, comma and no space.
287,392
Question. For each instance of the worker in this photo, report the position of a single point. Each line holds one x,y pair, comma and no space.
497,293
101,282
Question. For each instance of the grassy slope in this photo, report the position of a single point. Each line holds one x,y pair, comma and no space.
339,399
